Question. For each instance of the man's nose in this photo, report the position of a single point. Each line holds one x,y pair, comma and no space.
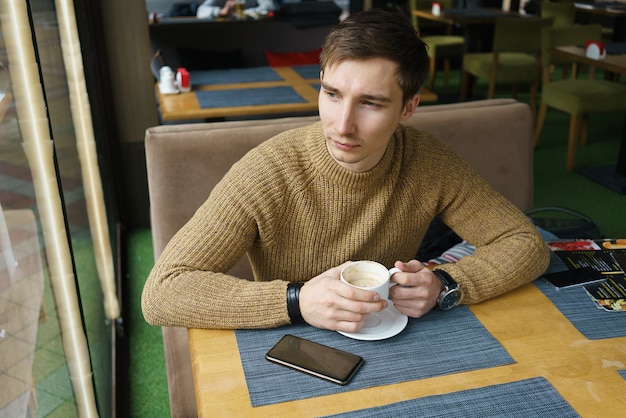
346,120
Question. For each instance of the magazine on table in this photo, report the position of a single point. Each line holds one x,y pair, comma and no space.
599,266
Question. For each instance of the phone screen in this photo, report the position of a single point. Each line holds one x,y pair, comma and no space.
315,359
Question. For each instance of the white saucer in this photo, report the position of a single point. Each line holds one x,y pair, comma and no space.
387,323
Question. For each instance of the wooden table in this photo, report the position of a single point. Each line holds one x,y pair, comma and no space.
185,106
531,329
613,63
476,24
456,17
613,177
614,11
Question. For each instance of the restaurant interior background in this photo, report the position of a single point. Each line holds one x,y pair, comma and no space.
62,334
68,207
65,207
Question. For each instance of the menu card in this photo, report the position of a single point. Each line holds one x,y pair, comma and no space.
598,265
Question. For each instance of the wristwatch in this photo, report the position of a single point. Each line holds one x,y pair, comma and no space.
451,294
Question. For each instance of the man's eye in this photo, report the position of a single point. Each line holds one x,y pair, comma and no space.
370,104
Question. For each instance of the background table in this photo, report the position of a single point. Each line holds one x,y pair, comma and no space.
613,11
248,92
613,177
476,24
588,374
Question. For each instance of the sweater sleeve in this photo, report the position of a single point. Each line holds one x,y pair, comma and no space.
510,252
188,286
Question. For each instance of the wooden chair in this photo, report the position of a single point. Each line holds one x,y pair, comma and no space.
439,46
562,12
515,58
578,97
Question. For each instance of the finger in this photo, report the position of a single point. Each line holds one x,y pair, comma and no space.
349,326
409,293
412,266
351,293
414,307
412,311
340,319
361,307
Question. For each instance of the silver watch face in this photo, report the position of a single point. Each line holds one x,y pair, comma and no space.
450,299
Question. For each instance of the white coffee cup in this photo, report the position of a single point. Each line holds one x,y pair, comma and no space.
369,275
167,81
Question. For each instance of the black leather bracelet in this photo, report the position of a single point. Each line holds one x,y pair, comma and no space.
293,303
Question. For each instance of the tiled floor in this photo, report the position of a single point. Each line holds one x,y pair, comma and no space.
53,394
21,291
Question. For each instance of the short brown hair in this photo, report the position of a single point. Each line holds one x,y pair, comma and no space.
377,33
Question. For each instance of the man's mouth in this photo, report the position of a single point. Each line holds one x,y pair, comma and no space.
345,146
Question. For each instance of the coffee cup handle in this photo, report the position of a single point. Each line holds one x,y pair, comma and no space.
391,273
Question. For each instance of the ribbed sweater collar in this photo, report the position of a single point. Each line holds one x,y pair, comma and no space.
324,163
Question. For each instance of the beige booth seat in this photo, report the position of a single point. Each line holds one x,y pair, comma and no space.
184,163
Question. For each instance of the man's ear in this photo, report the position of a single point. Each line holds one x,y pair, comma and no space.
410,106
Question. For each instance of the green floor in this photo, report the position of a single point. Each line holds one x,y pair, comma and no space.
554,186
148,382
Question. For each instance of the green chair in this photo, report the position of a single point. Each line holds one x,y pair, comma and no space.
562,12
578,97
515,58
439,46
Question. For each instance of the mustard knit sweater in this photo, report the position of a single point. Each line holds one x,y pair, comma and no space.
297,213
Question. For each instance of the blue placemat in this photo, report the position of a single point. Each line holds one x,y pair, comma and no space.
308,71
582,312
233,75
248,97
534,397
623,373
429,346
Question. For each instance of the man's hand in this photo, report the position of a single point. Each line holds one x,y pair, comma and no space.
418,291
228,9
327,302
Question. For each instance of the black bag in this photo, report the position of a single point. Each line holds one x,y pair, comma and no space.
438,239
565,223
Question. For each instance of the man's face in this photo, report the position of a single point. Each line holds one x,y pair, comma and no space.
360,105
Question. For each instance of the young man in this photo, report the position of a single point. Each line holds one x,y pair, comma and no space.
358,185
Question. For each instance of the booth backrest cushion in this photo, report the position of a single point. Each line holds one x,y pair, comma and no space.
184,163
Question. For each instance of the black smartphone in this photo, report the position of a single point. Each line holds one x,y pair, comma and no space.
315,359
575,277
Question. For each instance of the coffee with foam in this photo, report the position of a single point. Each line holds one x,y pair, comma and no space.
363,278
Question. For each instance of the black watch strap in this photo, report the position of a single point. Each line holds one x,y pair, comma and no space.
446,279
451,294
293,303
